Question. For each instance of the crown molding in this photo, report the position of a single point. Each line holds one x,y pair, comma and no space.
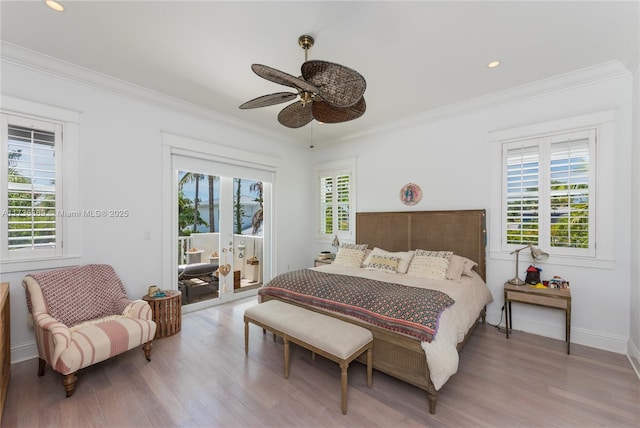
32,60
28,59
584,77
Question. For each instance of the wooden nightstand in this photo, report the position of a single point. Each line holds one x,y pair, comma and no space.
556,298
322,262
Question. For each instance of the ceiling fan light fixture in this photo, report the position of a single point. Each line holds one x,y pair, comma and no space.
328,92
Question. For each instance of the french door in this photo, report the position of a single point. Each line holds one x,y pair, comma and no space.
223,225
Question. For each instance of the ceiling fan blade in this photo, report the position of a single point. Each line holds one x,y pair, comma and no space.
269,100
282,78
338,85
327,113
296,115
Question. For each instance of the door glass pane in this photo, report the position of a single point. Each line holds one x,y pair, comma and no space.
198,236
248,222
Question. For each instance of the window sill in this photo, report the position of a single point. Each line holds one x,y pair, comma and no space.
588,262
38,264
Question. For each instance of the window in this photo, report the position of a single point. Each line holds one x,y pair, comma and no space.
30,203
549,192
337,204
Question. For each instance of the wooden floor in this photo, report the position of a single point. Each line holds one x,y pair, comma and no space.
200,377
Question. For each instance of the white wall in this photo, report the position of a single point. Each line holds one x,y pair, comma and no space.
448,155
634,342
121,168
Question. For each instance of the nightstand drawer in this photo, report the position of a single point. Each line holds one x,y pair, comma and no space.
322,262
537,299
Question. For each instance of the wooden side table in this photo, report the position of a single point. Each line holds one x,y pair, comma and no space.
167,313
322,262
556,298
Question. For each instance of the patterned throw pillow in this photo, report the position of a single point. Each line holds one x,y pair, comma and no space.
444,254
383,263
430,264
350,255
404,256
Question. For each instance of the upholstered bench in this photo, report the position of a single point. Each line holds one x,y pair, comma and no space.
334,339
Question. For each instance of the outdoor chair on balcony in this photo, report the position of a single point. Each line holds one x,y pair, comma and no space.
197,280
82,316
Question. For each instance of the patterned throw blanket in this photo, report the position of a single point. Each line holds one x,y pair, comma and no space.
409,310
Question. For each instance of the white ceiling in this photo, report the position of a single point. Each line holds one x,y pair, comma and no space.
416,56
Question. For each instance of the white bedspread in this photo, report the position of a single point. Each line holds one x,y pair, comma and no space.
471,295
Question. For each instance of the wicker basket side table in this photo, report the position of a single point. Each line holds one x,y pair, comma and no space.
167,313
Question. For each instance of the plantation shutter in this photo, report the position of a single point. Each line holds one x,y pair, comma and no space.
31,200
522,194
343,183
570,190
326,205
335,204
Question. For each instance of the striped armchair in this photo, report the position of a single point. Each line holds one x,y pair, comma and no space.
81,316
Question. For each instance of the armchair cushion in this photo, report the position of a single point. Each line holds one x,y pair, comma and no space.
78,294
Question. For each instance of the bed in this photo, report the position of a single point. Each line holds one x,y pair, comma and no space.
427,365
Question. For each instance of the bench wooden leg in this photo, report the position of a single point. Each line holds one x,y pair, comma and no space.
286,357
246,337
369,367
343,377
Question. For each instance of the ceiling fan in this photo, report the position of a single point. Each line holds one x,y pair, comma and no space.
328,92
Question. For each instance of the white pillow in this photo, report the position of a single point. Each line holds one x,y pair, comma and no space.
468,267
403,256
428,267
350,255
383,263
455,268
430,264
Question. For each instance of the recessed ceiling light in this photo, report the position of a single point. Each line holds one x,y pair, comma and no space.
493,64
58,7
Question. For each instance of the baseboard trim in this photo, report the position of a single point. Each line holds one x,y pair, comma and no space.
580,336
23,352
634,357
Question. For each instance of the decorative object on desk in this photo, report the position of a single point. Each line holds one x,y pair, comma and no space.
410,194
558,282
536,254
335,243
153,290
533,275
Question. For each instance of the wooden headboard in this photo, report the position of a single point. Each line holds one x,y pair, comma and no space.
463,232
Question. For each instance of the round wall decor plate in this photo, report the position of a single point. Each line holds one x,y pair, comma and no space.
410,194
